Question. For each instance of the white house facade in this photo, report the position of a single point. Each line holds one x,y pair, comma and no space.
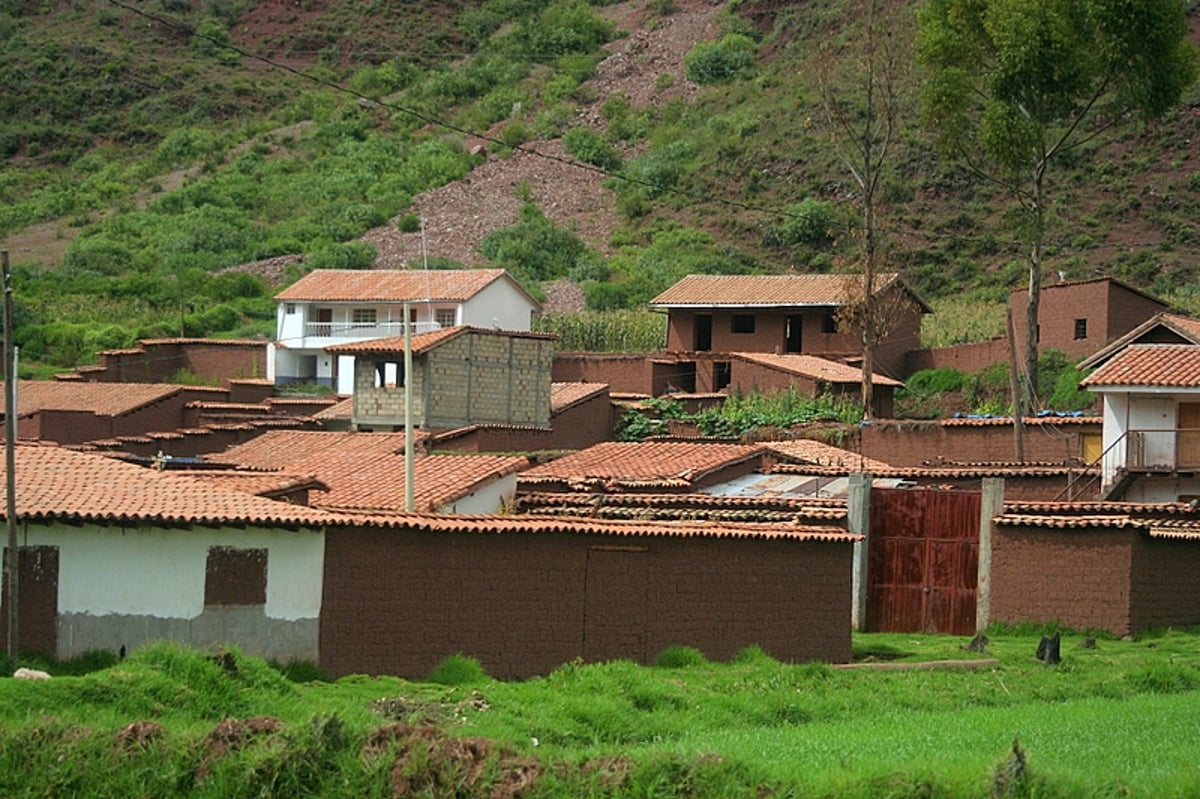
330,307
1151,433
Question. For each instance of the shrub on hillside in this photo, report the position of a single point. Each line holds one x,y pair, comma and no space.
713,62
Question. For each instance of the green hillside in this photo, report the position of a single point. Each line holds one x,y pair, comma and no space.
150,145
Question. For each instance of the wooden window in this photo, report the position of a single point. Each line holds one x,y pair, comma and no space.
362,317
445,317
235,577
743,323
289,308
1080,329
829,323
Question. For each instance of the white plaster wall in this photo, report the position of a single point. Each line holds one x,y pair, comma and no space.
488,499
500,305
145,571
1152,414
1114,409
290,326
345,374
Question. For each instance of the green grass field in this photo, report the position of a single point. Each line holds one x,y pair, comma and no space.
1120,718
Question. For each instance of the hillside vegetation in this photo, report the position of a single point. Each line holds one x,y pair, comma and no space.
170,163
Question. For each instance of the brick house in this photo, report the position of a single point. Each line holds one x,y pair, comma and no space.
786,314
329,307
1080,317
461,376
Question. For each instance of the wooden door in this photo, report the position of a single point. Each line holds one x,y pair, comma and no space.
923,561
37,601
1188,441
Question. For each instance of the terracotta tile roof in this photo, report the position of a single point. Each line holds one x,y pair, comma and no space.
376,482
287,449
758,291
1007,421
640,464
1066,522
216,342
1184,328
1182,530
263,484
812,367
55,483
105,399
922,472
1167,365
392,285
1141,509
631,529
424,342
343,409
565,395
806,450
682,506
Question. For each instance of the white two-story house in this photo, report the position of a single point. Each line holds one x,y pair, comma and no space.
1151,399
329,307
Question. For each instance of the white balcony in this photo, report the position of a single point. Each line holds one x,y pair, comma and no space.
323,334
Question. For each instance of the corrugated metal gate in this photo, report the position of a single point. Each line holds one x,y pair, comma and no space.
923,561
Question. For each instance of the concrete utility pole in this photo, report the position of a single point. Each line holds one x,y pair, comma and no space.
10,436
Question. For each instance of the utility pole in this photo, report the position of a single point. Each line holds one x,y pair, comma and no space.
1014,385
10,436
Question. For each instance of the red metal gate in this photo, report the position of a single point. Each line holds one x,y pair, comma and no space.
923,561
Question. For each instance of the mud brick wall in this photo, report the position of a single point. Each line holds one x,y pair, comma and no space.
399,601
160,361
625,373
578,427
1165,590
968,358
916,443
1080,578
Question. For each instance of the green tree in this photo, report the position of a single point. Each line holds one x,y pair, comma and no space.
1015,85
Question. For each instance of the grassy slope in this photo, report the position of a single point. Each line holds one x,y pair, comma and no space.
1117,719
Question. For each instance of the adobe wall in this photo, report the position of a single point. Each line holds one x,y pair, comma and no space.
1164,591
521,602
968,358
624,372
159,362
1110,310
1079,578
747,376
918,443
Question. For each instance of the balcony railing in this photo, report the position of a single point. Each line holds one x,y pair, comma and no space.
358,330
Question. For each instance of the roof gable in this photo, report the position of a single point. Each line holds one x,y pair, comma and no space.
396,285
1151,366
104,399
641,464
813,367
763,291
1162,328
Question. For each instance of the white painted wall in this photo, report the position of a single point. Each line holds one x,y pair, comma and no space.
488,499
146,571
499,305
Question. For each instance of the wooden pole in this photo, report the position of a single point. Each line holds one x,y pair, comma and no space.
12,562
1014,385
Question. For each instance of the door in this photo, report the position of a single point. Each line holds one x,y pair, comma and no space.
792,333
324,322
923,561
1188,444
37,601
703,332
614,604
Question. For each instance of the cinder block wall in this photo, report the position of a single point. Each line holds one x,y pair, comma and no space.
397,602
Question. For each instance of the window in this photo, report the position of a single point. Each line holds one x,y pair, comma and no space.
389,374
1080,329
743,323
445,317
829,323
722,374
289,308
362,317
235,576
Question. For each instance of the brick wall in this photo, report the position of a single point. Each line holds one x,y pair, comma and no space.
1164,589
1080,578
160,361
474,378
398,602
624,372
578,427
1108,310
968,358
911,443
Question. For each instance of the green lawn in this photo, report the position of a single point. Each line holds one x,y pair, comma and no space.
1121,718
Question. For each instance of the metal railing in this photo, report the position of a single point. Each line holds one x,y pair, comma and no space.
360,330
1167,449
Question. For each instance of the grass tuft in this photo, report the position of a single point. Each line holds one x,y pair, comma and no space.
458,669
